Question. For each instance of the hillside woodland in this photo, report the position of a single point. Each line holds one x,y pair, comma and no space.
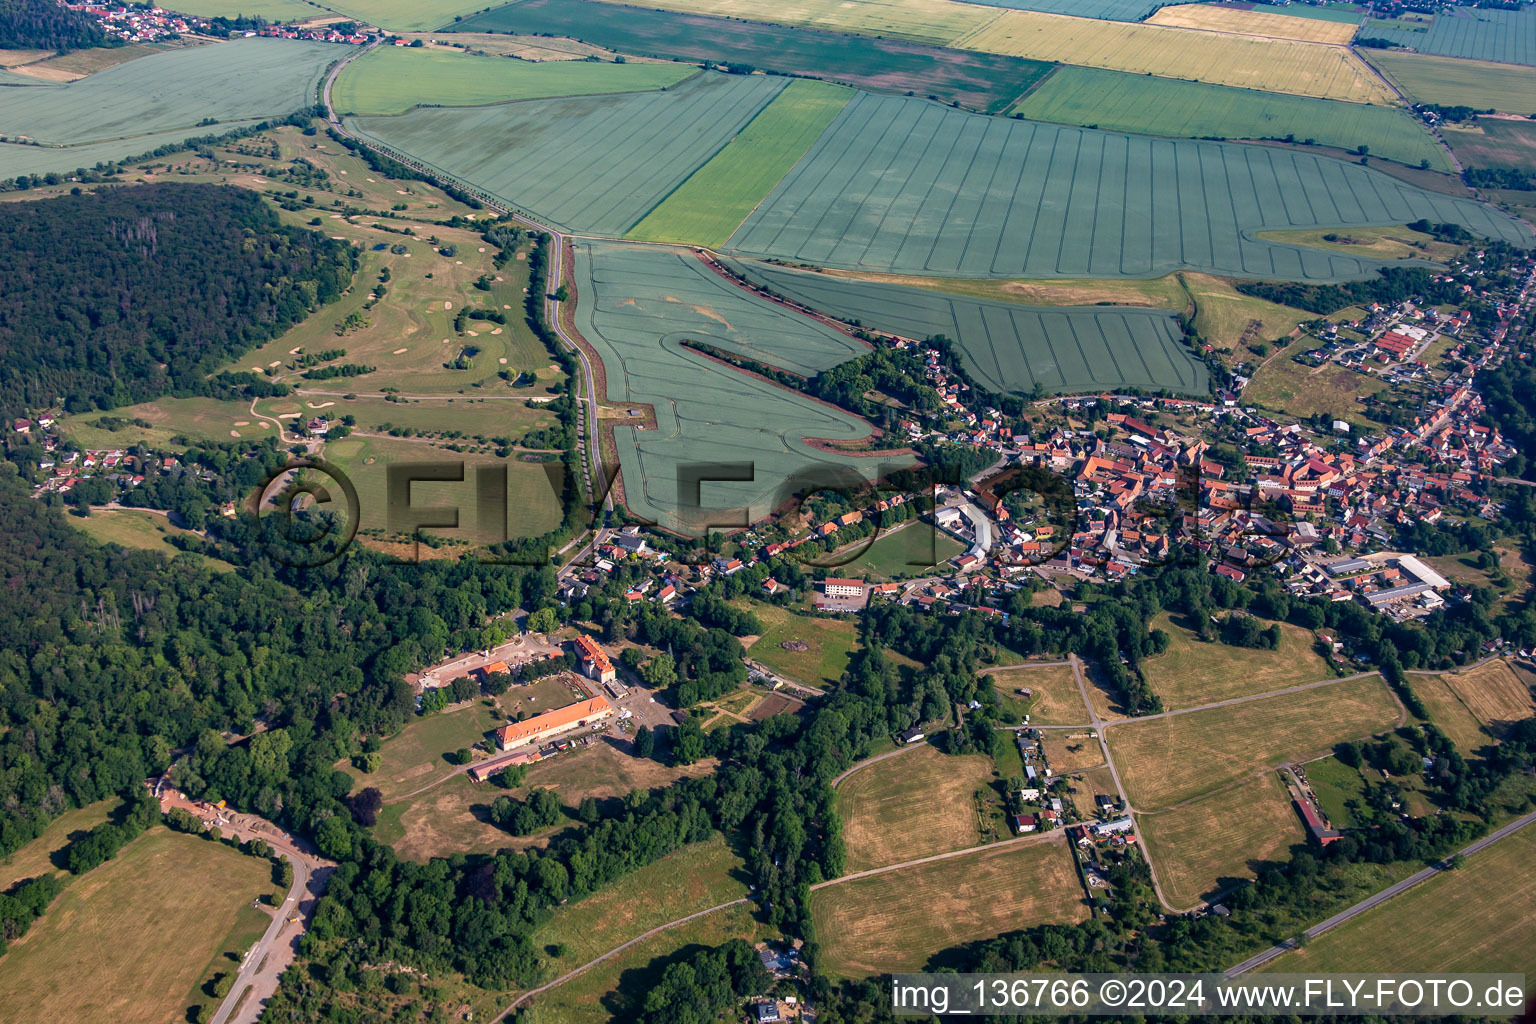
45,25
148,290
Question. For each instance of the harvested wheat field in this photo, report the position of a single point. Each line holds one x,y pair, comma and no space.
1208,845
1496,694
915,804
897,920
1163,761
1072,750
1255,23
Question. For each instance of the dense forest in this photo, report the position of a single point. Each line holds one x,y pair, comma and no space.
46,25
149,289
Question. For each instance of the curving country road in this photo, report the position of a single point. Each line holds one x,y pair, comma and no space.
257,979
592,459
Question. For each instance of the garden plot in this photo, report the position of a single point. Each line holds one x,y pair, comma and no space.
1009,347
637,305
906,185
1506,37
137,102
593,164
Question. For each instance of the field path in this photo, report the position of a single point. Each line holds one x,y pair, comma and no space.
873,760
568,975
1055,834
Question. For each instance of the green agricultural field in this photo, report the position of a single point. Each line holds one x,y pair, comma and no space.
830,643
1495,143
708,207
590,164
1450,82
1009,347
135,529
694,878
392,80
980,81
896,921
898,184
1210,844
637,304
904,551
405,15
1508,37
1190,673
243,80
1351,13
1163,106
272,10
145,927
1167,760
1492,928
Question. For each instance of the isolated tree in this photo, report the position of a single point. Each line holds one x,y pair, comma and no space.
645,742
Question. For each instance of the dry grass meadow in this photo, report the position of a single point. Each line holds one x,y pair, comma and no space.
1497,695
1070,751
132,939
897,920
1203,846
1168,760
909,806
1447,711
1190,672
1054,698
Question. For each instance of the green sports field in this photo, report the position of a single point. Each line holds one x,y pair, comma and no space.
1196,110
900,184
242,80
394,79
1009,347
710,205
637,304
593,164
1451,82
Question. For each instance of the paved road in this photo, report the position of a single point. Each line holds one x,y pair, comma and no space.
266,960
592,460
1380,897
1037,837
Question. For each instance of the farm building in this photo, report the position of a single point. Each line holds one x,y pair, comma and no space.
911,735
553,723
594,663
1315,827
485,769
1109,829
